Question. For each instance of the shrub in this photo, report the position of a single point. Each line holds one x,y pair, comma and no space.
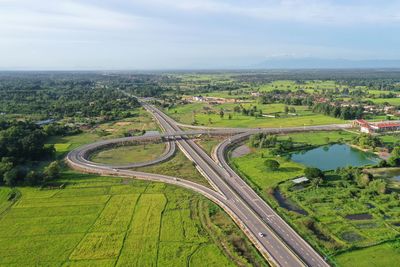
313,173
271,164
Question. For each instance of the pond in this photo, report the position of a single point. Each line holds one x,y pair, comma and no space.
360,216
334,156
287,204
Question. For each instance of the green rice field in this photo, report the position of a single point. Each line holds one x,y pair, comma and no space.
103,221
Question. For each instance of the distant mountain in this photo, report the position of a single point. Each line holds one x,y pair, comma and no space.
318,63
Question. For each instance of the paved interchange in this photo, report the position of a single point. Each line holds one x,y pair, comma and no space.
279,243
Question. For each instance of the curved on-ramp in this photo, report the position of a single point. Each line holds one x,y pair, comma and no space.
76,159
242,203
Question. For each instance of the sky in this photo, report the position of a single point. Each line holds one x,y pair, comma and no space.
191,34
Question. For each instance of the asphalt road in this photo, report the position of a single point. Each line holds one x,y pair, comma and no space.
281,241
280,244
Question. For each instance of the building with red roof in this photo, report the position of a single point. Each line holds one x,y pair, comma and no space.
369,127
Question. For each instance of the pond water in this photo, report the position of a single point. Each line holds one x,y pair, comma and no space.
361,216
334,156
287,204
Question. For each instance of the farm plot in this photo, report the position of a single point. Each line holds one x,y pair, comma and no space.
105,221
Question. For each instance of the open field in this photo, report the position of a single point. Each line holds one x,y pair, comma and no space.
384,255
129,154
391,101
178,166
252,165
208,115
329,204
141,120
208,144
319,138
106,221
326,225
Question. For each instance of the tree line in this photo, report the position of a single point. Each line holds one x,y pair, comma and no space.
22,144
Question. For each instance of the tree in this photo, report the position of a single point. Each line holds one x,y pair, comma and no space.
10,177
271,164
33,178
5,166
221,113
311,173
52,171
316,182
286,109
364,179
383,163
229,116
236,109
379,186
394,159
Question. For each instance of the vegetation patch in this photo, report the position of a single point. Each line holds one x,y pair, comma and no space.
105,221
129,154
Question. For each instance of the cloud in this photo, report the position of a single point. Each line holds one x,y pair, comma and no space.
60,16
173,33
306,11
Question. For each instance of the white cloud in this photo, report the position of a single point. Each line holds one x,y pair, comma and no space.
307,11
24,16
173,33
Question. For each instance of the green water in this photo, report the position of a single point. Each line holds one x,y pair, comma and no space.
334,156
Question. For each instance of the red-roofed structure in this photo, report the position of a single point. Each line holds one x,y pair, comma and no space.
369,127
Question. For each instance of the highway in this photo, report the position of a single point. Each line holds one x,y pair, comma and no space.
281,241
274,238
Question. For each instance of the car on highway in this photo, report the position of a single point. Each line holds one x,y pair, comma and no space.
261,234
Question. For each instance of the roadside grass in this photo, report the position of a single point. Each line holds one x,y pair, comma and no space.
178,166
107,221
253,168
209,143
129,154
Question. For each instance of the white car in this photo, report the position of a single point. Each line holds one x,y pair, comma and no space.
261,234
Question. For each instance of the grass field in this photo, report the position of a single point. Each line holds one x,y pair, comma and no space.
5,198
384,255
328,205
129,154
319,138
141,120
209,143
190,112
252,165
178,166
102,221
391,101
